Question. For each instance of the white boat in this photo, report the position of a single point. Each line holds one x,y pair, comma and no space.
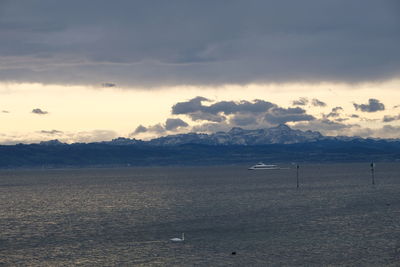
262,166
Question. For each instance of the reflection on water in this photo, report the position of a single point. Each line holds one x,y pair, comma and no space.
127,216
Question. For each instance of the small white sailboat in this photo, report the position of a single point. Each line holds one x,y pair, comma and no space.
177,239
262,166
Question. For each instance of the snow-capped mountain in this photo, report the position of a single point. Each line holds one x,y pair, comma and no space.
121,141
281,134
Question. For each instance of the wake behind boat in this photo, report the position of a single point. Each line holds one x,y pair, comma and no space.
262,166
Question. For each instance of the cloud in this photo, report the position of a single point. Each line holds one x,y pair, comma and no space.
39,111
191,106
301,102
146,43
108,85
368,119
140,129
210,116
170,125
52,132
225,107
327,127
231,107
203,116
173,124
210,127
221,115
317,103
156,128
65,137
335,112
341,119
278,115
90,136
372,106
387,131
335,128
243,120
337,109
218,111
224,115
388,118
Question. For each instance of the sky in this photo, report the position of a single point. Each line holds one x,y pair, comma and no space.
85,71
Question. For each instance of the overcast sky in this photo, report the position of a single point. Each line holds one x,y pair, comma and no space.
114,60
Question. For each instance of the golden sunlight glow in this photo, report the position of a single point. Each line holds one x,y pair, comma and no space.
78,108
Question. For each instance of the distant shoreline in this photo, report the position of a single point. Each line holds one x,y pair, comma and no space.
244,165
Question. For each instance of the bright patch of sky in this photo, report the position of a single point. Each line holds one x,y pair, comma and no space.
118,112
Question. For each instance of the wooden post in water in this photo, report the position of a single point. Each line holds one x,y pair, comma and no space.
297,175
372,172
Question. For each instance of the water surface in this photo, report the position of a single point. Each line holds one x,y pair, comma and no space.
125,217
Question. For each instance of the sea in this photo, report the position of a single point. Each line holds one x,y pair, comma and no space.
230,216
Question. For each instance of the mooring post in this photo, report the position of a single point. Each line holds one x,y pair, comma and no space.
372,172
297,175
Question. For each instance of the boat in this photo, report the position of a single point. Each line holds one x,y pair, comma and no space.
177,239
262,166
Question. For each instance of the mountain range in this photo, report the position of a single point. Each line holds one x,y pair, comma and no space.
276,144
281,134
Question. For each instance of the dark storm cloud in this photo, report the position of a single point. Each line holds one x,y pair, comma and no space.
232,107
151,43
39,111
202,116
317,103
279,115
191,106
372,106
301,102
251,114
173,124
388,118
217,111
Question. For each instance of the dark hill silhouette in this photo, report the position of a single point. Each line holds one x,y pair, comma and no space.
278,144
